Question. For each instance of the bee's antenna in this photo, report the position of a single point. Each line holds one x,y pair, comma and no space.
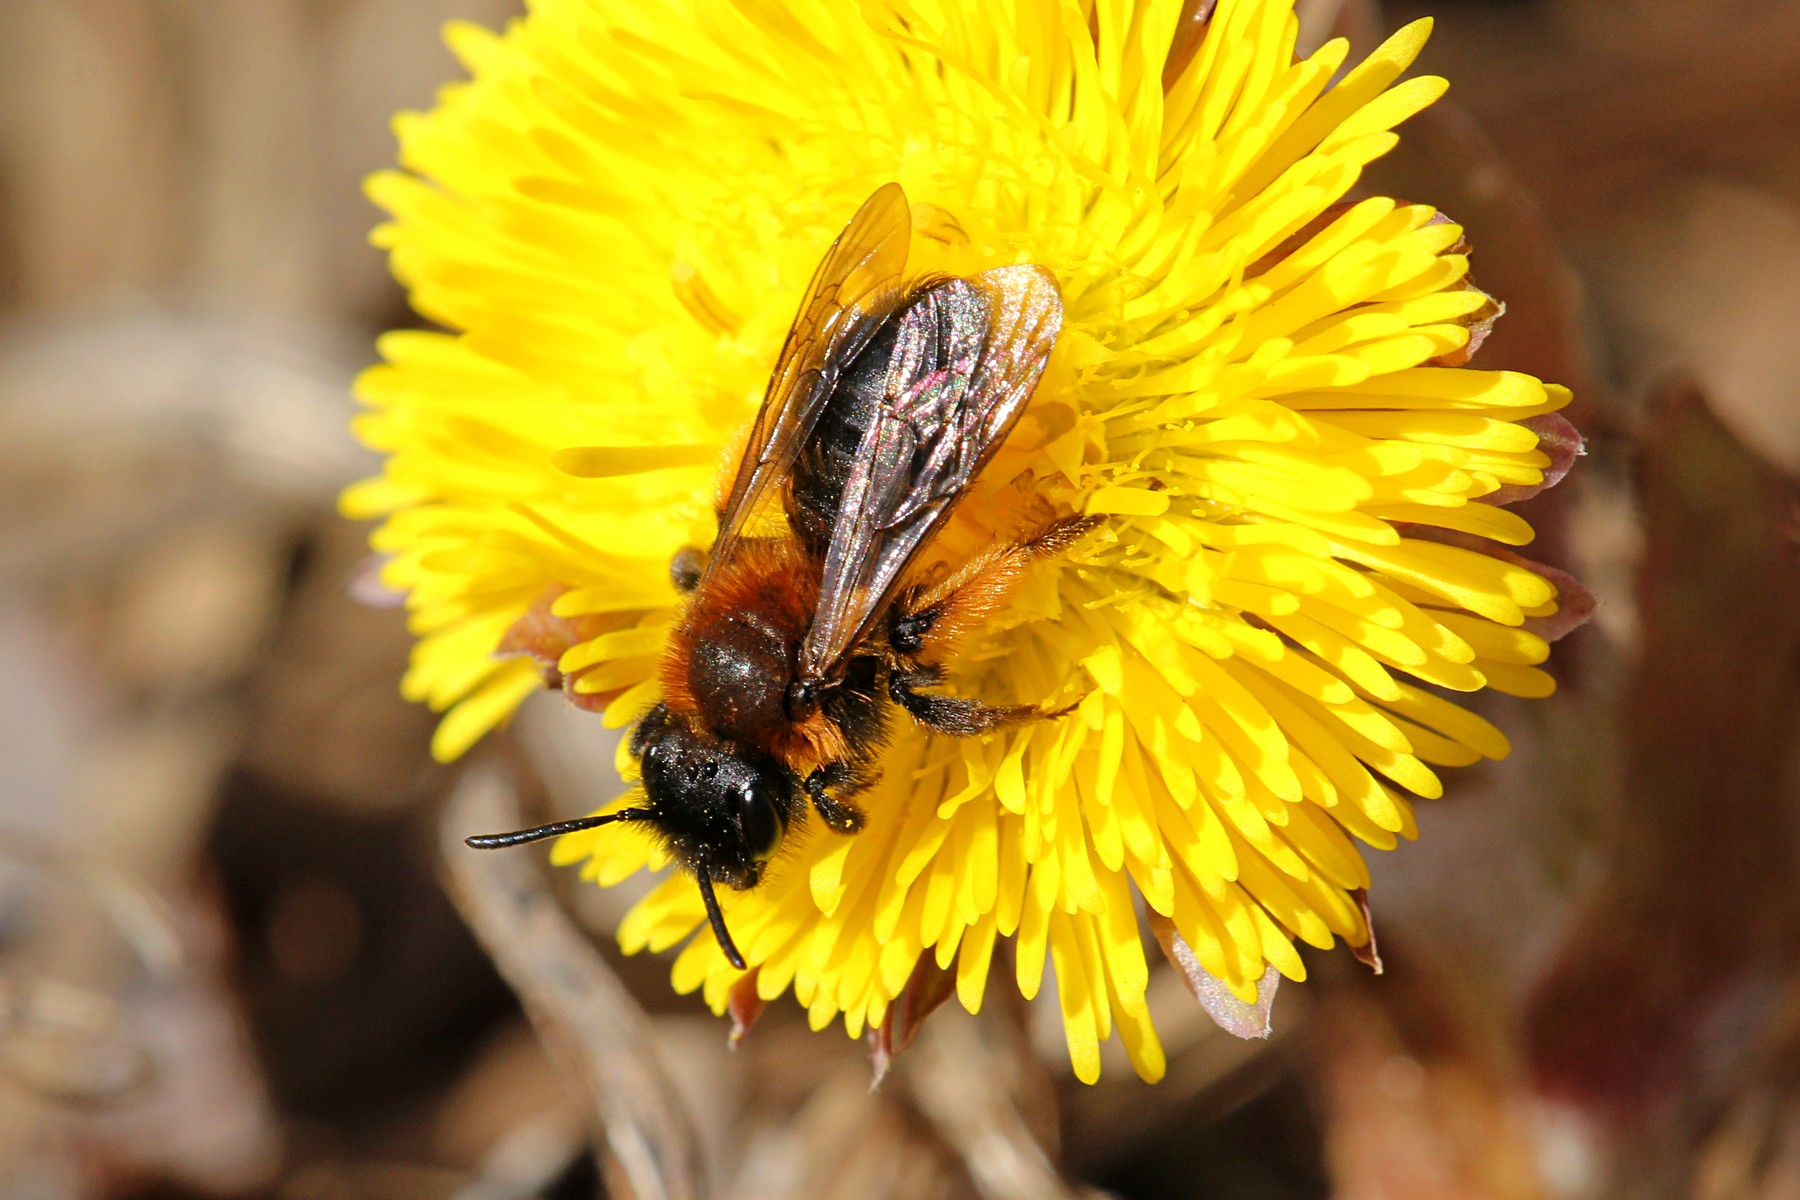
499,841
715,917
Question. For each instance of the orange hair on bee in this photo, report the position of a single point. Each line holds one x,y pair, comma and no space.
981,587
773,581
770,577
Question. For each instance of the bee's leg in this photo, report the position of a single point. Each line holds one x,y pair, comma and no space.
962,601
957,715
837,813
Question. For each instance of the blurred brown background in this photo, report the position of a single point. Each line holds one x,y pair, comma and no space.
229,962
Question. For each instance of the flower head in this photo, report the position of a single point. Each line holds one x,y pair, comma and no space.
616,219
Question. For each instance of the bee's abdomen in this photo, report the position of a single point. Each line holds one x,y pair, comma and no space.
816,489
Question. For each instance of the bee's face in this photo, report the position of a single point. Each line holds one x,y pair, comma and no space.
717,808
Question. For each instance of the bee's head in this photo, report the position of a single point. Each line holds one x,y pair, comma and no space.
721,810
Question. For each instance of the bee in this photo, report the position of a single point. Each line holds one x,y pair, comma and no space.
780,678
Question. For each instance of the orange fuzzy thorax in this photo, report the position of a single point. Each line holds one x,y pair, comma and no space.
771,581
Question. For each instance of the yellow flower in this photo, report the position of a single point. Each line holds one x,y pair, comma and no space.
617,218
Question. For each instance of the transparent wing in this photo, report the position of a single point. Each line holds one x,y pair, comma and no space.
856,284
968,355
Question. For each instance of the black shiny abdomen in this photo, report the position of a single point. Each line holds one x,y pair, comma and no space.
816,488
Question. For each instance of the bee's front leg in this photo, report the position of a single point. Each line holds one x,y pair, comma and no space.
838,814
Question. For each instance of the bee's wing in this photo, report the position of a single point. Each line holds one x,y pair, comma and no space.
856,284
969,353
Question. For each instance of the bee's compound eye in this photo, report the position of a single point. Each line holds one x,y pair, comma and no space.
760,821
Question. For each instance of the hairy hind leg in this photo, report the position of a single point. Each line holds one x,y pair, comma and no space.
931,619
935,616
